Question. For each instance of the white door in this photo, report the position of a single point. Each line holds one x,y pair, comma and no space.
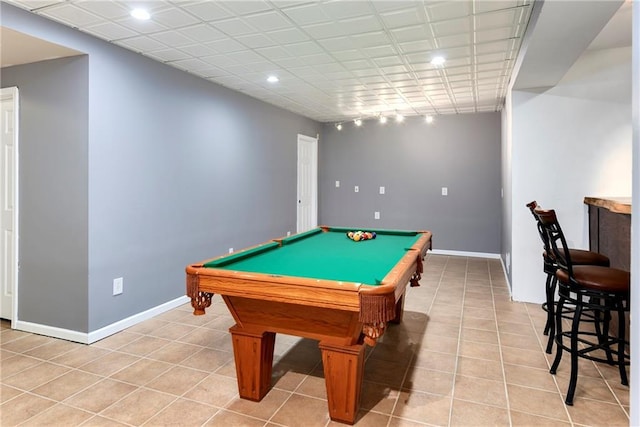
307,183
8,200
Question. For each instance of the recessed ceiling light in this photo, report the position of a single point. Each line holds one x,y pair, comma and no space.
383,119
140,14
438,60
428,118
399,118
358,122
339,126
273,79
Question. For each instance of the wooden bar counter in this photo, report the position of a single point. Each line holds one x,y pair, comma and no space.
610,235
610,229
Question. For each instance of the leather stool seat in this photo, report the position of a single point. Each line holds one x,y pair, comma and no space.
581,257
599,279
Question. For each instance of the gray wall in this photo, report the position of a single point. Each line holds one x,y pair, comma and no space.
413,161
53,203
179,170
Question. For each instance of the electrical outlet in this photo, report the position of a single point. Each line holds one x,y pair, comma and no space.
356,189
118,286
381,190
230,250
288,233
445,191
337,184
376,215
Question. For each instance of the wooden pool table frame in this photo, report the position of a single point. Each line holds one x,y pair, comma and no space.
342,316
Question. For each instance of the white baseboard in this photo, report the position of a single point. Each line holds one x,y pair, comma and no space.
91,337
463,253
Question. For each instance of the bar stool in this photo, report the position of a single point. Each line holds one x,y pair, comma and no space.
602,289
578,257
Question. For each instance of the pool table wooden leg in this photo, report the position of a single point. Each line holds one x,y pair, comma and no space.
343,369
253,353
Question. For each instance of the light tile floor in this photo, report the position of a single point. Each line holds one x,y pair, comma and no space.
465,355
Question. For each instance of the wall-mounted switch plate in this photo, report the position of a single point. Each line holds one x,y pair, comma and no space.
356,189
230,250
445,191
376,215
337,184
381,190
118,286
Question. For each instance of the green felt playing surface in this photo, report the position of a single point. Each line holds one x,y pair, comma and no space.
325,255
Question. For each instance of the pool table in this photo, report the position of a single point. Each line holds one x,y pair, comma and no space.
318,284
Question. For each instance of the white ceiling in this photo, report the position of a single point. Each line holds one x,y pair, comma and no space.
336,60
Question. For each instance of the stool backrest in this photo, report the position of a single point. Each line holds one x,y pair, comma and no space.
548,253
555,242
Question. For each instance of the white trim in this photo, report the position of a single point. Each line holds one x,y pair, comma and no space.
14,94
91,337
467,254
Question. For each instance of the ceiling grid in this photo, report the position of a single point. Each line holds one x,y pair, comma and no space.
335,60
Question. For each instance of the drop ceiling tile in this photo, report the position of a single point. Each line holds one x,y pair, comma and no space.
220,61
454,41
72,15
361,24
268,21
494,35
417,46
245,57
451,27
367,40
233,27
142,44
255,41
365,72
142,27
225,45
497,19
110,31
105,9
273,52
172,38
198,50
490,6
360,64
347,9
338,43
191,64
174,17
492,47
202,33
448,10
168,55
411,34
379,51
403,18
304,48
326,30
35,4
388,61
384,6
289,35
207,10
311,13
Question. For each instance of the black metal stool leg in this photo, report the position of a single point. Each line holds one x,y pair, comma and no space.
550,328
621,343
575,328
558,336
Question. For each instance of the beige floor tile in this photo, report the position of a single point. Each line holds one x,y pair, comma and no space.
313,386
60,415
479,350
8,393
144,345
366,419
35,376
536,402
287,377
52,349
177,381
202,337
428,381
588,388
100,421
383,372
26,343
141,372
530,377
475,323
80,356
207,359
479,313
116,341
174,352
22,408
214,390
17,363
183,413
171,331
67,385
423,407
378,397
139,406
434,360
522,419
479,390
271,403
315,412
590,412
109,364
533,359
480,368
479,335
473,414
228,418
100,396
